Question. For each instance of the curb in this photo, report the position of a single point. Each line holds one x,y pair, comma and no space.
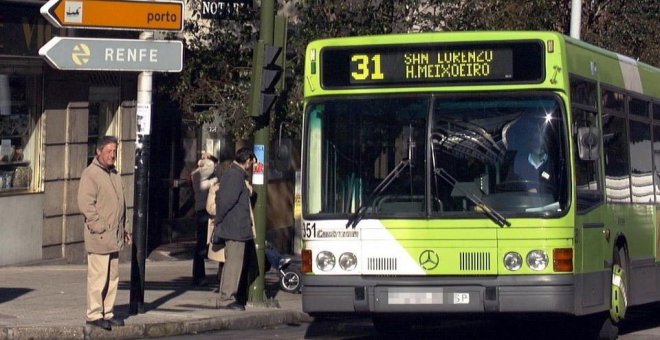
249,320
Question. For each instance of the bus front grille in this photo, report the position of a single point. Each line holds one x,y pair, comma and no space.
381,263
471,261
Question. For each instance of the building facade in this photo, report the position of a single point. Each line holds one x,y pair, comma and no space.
49,123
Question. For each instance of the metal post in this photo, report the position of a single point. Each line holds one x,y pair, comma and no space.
576,18
261,142
141,190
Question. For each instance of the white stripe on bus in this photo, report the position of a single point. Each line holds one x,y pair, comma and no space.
630,71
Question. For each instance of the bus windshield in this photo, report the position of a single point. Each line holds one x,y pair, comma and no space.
384,156
507,151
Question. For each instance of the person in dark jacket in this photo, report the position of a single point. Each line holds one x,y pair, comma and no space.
235,225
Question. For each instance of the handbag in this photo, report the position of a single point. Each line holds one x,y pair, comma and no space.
216,239
210,199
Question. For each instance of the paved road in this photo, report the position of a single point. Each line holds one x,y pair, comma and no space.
48,301
643,324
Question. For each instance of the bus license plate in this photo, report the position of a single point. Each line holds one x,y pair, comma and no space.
415,296
461,298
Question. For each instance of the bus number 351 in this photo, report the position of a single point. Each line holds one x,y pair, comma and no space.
366,68
309,230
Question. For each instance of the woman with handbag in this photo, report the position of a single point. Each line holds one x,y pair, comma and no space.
216,252
203,178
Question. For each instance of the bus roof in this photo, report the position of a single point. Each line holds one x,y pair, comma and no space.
574,57
613,68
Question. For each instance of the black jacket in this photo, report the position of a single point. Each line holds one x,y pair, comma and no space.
232,205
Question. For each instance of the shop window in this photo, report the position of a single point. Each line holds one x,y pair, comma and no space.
19,134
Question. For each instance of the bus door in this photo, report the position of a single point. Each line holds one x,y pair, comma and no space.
591,249
591,230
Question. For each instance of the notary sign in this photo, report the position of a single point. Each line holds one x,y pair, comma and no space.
224,9
115,14
95,54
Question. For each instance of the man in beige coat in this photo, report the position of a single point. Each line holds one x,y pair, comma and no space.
101,201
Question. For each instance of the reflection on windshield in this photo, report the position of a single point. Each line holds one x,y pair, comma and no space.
505,152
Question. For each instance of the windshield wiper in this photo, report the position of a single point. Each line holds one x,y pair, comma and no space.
394,174
387,181
481,205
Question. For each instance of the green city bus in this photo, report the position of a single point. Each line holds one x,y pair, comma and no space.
479,172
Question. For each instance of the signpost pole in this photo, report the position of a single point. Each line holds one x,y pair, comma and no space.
261,142
141,200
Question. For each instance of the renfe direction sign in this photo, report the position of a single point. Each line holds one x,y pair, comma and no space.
95,54
116,14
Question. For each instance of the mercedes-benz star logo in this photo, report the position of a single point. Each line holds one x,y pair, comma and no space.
428,259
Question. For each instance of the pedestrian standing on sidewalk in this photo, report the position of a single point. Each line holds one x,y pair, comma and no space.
101,200
203,179
234,224
216,252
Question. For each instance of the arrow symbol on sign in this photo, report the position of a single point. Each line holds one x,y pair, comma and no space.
98,54
165,15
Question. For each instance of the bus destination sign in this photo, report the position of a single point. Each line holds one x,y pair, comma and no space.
424,65
431,65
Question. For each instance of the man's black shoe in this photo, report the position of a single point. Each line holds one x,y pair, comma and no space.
105,324
115,322
200,283
235,306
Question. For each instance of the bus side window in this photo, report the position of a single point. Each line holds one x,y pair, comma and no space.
588,182
616,147
656,151
641,153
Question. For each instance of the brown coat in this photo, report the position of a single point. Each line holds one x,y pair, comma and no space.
216,252
101,200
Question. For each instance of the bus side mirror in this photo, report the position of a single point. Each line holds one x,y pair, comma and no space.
587,141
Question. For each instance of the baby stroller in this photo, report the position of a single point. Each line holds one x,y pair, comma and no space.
289,278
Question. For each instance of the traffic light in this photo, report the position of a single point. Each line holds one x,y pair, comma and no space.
270,75
268,80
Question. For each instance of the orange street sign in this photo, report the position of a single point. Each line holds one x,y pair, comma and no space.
115,14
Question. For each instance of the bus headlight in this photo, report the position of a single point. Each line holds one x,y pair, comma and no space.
347,261
325,261
512,261
537,260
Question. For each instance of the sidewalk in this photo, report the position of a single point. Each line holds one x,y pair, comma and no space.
48,302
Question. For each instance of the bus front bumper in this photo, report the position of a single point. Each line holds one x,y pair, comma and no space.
347,294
